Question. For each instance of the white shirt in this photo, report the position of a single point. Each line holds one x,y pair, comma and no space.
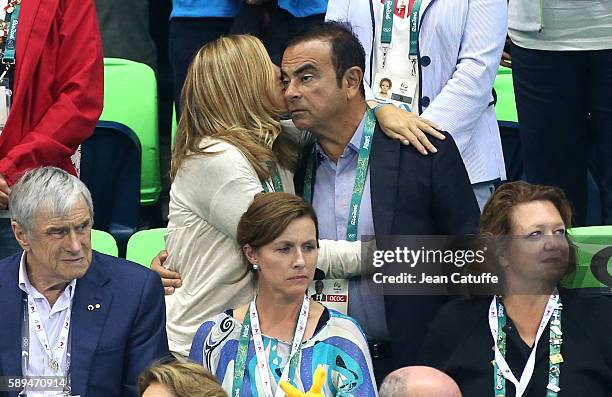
52,319
561,25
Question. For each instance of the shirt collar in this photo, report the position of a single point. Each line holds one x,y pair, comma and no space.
353,144
28,288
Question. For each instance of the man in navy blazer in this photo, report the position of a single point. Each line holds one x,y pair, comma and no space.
409,194
117,313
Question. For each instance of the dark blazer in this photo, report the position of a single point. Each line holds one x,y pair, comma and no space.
110,345
460,343
414,194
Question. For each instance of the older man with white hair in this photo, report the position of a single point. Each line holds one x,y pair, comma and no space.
74,321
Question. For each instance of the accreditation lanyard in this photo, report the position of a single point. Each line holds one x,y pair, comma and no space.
363,161
10,44
501,369
386,33
55,357
277,183
250,325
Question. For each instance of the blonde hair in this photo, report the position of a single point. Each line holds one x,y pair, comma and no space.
183,379
229,94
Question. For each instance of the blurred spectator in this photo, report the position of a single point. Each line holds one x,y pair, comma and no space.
124,26
442,57
178,379
194,23
562,69
275,22
56,82
418,382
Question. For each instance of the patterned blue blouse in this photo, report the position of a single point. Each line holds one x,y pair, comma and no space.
339,345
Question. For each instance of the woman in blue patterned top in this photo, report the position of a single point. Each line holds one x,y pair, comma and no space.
281,334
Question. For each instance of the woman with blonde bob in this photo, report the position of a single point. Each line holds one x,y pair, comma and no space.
178,379
229,147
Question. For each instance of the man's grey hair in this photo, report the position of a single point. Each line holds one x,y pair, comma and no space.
49,190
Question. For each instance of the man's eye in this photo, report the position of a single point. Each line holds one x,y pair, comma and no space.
307,78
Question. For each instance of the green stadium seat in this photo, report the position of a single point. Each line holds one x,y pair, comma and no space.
103,242
593,253
504,88
144,245
174,126
130,98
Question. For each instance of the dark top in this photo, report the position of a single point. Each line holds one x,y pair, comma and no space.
459,343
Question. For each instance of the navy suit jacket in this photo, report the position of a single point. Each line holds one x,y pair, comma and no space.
111,345
414,194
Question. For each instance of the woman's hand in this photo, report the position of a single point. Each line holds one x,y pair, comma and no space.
170,279
409,128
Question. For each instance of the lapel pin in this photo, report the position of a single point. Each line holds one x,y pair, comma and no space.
90,307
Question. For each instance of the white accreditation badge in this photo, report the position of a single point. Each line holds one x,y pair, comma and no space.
395,67
331,293
395,90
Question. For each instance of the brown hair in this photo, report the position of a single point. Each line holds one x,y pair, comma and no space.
496,218
229,94
496,222
269,215
184,379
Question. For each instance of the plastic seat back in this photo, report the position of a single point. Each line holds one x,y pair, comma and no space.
145,245
130,98
104,242
593,253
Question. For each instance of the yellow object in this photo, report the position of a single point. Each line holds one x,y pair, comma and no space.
315,390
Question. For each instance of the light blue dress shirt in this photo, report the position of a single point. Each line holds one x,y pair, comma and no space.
331,199
52,319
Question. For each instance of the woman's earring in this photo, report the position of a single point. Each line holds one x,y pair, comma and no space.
255,267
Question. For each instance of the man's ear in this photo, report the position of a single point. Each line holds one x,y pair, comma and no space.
20,235
250,253
353,78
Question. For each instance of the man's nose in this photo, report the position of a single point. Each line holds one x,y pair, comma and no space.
73,244
291,92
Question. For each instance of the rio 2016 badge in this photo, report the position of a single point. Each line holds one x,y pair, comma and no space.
395,90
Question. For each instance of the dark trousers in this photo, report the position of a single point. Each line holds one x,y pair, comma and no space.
564,105
186,37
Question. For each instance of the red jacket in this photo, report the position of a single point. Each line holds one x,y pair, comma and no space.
58,87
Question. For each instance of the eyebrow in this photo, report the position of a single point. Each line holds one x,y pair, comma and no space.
301,69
